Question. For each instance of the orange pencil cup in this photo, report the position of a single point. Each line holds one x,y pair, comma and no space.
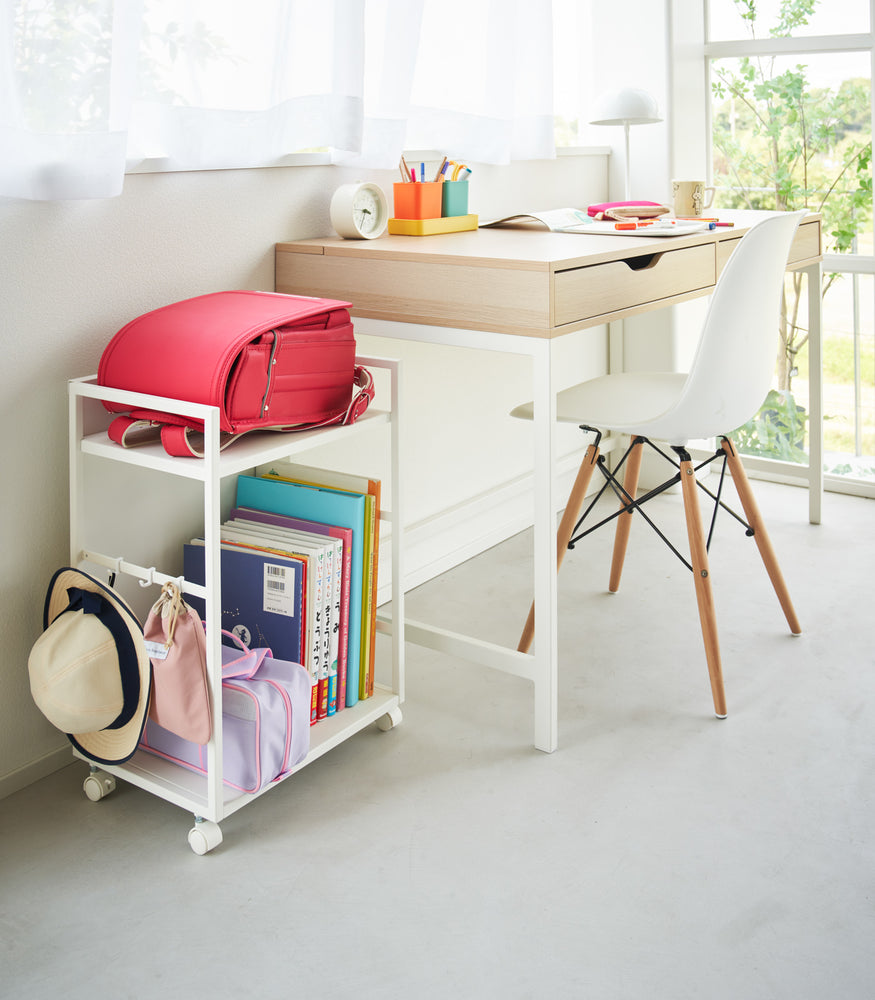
454,198
418,200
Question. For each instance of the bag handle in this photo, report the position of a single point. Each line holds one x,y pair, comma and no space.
246,666
170,605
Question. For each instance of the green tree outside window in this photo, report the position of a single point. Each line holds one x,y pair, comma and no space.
780,142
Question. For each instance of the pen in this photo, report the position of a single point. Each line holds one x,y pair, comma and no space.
441,169
711,223
422,172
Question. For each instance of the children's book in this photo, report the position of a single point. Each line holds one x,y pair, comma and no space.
574,220
557,220
340,594
321,551
315,660
262,598
347,510
371,490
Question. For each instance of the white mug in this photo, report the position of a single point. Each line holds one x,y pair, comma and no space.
688,198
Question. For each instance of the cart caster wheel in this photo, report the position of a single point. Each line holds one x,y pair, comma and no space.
204,836
390,720
98,785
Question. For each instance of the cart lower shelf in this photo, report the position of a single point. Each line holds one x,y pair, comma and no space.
188,789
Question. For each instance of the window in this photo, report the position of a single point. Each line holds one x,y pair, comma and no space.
572,69
791,127
93,87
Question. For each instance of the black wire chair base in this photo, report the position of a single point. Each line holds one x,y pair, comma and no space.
631,505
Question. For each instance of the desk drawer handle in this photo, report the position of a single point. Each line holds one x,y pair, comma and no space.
648,260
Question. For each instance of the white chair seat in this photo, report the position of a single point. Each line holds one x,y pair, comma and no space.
629,402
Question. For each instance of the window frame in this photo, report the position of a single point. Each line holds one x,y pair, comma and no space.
846,264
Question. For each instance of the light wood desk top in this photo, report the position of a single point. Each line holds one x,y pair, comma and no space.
519,280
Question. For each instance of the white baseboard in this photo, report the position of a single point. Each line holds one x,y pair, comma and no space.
447,539
41,768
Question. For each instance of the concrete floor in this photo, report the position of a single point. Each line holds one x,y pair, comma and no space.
658,854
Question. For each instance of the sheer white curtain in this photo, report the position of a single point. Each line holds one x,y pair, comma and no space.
475,79
89,88
65,93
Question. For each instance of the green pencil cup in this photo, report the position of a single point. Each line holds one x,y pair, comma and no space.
454,198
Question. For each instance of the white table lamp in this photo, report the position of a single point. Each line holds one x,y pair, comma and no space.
626,107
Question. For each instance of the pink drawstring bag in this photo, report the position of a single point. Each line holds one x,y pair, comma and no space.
177,647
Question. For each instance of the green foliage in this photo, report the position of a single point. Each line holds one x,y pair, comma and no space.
782,143
777,431
63,55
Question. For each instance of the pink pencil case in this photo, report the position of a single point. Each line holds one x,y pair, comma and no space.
627,210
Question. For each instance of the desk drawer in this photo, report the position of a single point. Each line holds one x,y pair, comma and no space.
601,289
805,246
806,243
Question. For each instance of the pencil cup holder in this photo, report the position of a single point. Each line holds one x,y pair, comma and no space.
418,200
454,198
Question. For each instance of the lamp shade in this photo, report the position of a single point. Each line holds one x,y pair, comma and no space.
626,107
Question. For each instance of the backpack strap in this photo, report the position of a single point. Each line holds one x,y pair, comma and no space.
188,442
361,400
130,431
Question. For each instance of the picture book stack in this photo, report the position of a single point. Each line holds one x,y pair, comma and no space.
299,556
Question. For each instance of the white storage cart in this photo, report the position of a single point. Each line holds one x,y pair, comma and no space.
94,456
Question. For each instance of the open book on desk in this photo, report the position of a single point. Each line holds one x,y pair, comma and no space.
573,220
557,220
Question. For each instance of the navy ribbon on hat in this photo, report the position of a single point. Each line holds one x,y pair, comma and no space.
92,603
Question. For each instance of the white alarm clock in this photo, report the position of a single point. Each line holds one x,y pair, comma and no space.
359,211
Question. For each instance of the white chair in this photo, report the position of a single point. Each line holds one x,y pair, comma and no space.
727,383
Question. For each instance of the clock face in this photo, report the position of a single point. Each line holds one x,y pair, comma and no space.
367,211
359,211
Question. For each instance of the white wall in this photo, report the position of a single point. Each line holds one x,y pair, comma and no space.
73,273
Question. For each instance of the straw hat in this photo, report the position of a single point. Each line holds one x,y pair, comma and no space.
90,673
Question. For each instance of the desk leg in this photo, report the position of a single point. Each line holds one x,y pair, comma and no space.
815,393
546,631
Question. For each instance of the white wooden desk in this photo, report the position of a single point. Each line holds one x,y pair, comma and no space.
516,290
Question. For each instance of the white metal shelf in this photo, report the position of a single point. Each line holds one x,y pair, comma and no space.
209,799
257,448
189,790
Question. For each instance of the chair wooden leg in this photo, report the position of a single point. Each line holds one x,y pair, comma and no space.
761,536
701,574
566,527
624,521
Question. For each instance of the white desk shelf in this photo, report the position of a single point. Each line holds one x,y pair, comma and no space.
206,796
